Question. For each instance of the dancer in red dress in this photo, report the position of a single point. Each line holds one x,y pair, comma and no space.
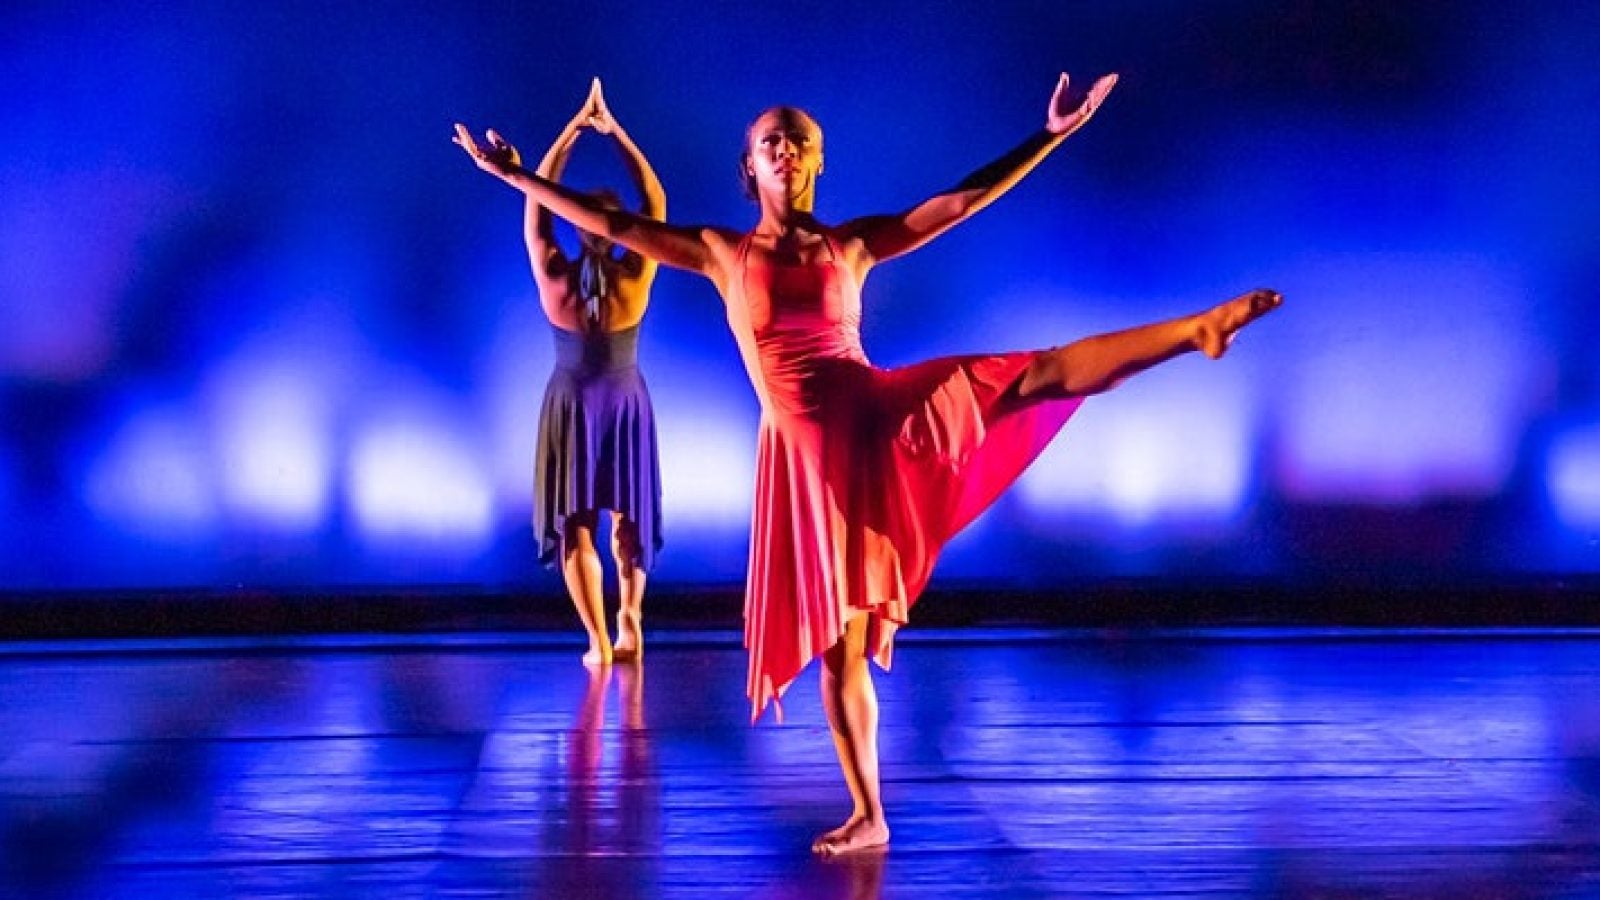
864,473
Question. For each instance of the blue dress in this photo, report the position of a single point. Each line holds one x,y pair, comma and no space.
597,441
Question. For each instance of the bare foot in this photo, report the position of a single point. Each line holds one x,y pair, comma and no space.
857,833
630,638
835,834
1217,326
599,656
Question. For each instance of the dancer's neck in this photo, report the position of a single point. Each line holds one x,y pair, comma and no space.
782,215
787,223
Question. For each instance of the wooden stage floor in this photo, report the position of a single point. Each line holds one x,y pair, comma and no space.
1017,763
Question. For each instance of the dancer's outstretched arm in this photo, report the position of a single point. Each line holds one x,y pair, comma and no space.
549,264
704,250
889,236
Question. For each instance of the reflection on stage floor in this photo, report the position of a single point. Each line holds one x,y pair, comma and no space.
1016,763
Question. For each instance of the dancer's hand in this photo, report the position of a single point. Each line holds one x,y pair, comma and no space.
1063,117
494,156
599,115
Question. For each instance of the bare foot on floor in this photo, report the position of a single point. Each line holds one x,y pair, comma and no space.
858,833
598,656
630,638
1218,325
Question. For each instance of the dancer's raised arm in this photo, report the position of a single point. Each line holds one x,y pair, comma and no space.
694,249
653,200
538,227
888,236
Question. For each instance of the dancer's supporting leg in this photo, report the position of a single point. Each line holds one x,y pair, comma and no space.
580,565
625,548
1099,363
1084,367
852,708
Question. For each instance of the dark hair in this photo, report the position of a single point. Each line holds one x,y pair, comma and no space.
608,196
747,179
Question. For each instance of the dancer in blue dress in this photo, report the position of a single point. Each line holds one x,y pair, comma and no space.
597,435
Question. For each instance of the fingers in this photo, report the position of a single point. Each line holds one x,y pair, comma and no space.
1097,95
1102,87
1097,91
595,114
1058,99
503,152
586,108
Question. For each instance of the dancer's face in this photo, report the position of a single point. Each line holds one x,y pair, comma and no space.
784,153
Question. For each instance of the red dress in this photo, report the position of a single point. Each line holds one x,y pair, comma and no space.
862,473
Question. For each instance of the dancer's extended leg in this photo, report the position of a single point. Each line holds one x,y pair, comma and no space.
1099,363
852,708
580,565
625,549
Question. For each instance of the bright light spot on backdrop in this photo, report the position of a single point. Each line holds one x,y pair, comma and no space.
1573,476
414,473
707,462
1410,378
153,476
273,420
1172,444
513,372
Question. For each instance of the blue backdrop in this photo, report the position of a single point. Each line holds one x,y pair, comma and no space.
261,323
